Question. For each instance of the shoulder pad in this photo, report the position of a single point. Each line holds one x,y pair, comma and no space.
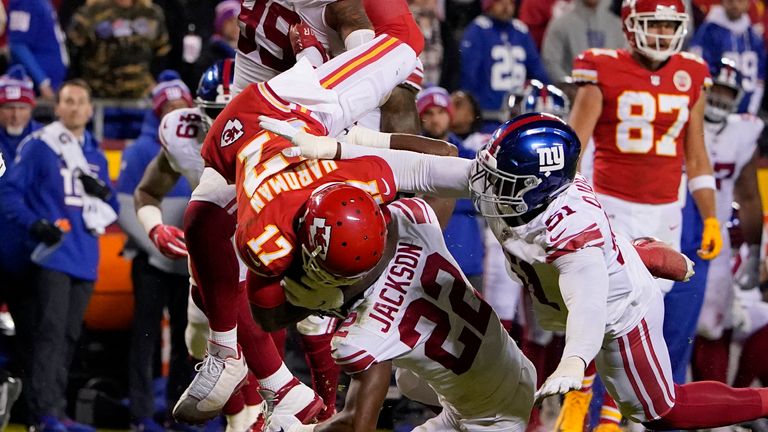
484,22
519,25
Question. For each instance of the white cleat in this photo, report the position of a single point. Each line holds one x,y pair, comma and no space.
245,419
219,375
295,399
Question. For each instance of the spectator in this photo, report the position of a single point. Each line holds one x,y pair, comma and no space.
466,115
537,14
589,25
462,235
158,282
727,32
223,43
37,42
116,43
497,56
59,192
17,98
426,15
5,54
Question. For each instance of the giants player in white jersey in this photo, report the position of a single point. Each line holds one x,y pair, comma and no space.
417,313
731,141
583,279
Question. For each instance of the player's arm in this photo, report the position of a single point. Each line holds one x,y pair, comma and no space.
158,180
701,182
348,19
365,397
399,113
583,284
747,194
585,112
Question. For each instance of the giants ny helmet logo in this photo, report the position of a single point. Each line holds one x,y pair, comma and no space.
320,236
551,159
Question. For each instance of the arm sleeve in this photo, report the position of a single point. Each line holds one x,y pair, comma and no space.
31,162
584,287
442,176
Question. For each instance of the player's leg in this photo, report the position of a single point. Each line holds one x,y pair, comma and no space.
316,334
752,364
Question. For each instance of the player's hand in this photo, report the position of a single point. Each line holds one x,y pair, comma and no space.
567,377
286,423
711,239
95,187
46,232
169,240
307,145
304,293
748,274
302,37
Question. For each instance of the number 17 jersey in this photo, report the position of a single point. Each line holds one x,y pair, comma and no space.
644,122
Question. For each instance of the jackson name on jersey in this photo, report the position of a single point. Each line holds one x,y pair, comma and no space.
423,314
644,121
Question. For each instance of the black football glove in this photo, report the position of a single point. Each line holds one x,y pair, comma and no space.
46,232
95,187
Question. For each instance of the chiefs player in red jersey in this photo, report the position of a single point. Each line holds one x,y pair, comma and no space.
644,109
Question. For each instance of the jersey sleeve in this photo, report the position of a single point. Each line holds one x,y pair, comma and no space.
699,71
585,68
570,230
359,342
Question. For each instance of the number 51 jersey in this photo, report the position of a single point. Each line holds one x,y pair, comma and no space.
423,314
644,122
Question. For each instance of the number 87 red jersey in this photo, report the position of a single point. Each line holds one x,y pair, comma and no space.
641,131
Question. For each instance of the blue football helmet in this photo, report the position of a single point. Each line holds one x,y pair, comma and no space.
723,101
215,88
527,163
541,98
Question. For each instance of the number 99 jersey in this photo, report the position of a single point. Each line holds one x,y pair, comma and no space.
423,314
640,134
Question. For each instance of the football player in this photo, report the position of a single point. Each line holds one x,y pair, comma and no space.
558,240
418,313
731,140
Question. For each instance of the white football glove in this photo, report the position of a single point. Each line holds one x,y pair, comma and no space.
307,145
312,295
748,274
567,377
286,423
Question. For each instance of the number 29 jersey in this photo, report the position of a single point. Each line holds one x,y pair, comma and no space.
423,314
644,122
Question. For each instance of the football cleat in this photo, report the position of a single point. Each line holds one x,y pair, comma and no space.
219,375
246,419
294,399
573,412
662,261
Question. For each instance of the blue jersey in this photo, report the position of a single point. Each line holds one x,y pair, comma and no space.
40,186
497,57
718,37
36,40
9,143
462,235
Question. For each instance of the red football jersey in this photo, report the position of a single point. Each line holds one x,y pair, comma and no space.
640,134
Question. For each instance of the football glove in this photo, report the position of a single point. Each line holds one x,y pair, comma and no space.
711,239
748,274
95,187
307,145
567,377
302,37
304,293
46,232
169,240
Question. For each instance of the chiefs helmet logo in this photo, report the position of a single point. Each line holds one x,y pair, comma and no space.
232,132
320,236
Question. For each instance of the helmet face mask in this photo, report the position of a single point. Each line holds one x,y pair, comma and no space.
642,19
497,194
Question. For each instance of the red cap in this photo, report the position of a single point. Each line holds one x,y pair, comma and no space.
434,96
15,86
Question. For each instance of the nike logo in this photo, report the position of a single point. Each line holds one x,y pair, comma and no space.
386,185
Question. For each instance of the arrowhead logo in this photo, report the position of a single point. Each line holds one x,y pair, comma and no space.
232,132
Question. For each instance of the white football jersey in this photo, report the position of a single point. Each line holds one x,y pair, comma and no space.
573,221
181,134
423,314
264,49
730,147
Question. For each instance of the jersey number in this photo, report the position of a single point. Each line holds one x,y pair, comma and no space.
188,126
508,70
255,14
636,111
476,317
271,235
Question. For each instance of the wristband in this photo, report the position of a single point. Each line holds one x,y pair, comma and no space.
705,181
149,216
357,38
361,136
316,147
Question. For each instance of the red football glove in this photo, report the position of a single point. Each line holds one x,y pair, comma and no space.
302,37
169,240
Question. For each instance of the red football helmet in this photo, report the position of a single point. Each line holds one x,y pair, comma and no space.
636,14
342,235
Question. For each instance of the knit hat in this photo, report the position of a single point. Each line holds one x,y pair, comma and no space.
434,96
486,4
16,86
224,11
169,87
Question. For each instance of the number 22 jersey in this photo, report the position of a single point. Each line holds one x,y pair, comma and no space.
640,134
423,314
